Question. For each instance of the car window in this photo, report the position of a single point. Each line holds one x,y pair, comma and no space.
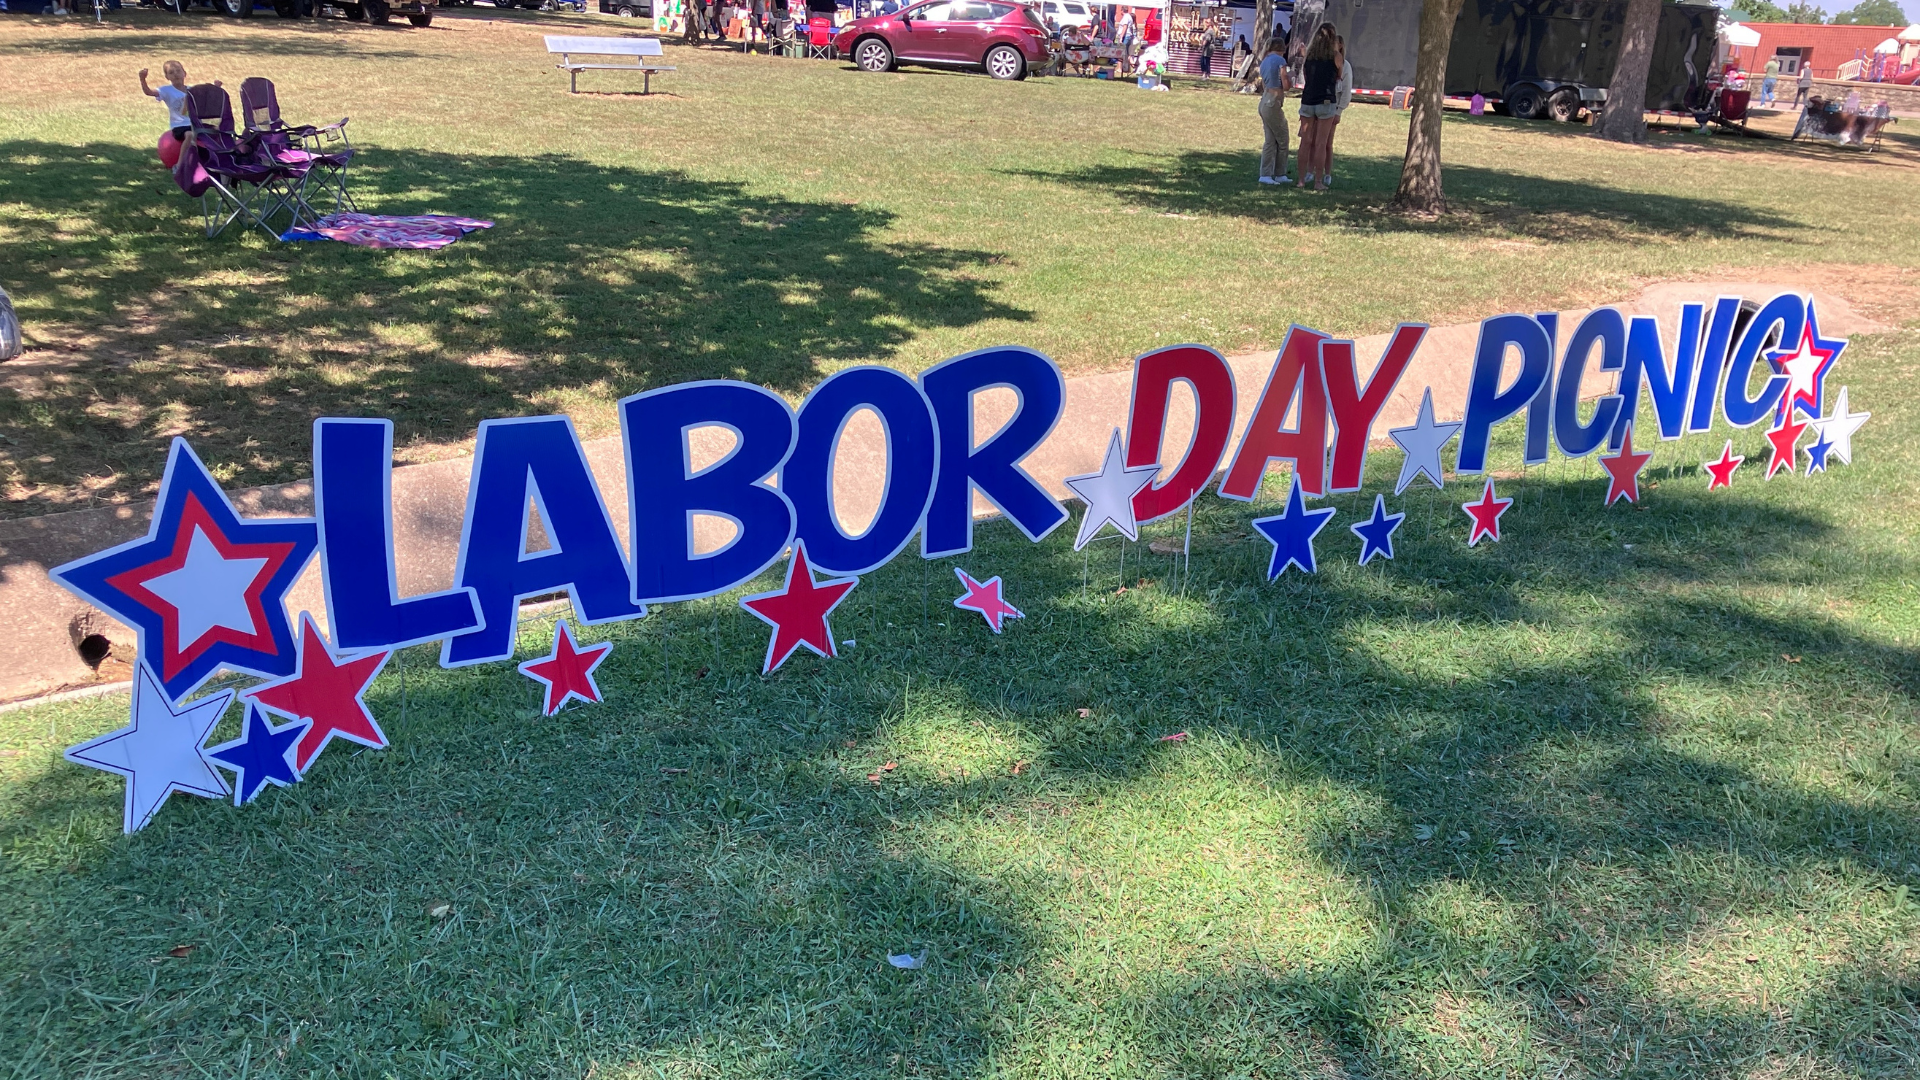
969,11
1001,11
1051,8
1076,9
934,12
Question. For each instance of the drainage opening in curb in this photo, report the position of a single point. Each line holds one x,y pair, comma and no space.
94,648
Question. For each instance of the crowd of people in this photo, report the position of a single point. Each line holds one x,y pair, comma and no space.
1325,80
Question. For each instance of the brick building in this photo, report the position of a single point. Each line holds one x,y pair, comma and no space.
1824,47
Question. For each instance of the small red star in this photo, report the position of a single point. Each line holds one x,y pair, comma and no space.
1486,515
1623,472
985,599
1720,473
567,671
798,611
328,693
1784,439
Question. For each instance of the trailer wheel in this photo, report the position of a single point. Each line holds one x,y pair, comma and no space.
1525,102
422,19
1564,105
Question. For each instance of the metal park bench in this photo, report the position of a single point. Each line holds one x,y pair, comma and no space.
638,48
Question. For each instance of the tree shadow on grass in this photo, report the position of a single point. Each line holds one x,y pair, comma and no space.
595,282
1485,201
291,37
1628,766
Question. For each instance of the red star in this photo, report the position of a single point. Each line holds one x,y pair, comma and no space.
1486,515
329,694
174,654
1784,439
567,671
798,611
1623,472
1720,473
985,599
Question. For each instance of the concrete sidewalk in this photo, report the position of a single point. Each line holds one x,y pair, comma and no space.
47,625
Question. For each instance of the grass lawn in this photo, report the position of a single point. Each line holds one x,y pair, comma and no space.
1631,793
770,220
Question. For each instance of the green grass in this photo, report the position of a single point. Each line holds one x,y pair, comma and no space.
1631,793
770,220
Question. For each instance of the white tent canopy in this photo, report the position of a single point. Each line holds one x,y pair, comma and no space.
1740,36
1891,45
1911,33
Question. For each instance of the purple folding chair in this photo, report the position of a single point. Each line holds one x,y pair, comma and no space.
321,153
227,173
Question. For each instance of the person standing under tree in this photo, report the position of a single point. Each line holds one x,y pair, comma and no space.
1319,77
1342,97
1273,112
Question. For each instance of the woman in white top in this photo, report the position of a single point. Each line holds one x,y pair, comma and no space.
1342,97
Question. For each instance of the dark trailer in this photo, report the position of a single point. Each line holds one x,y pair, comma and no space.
1532,58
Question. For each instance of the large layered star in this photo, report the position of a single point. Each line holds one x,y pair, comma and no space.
159,751
1838,426
798,611
567,671
329,691
1292,533
984,597
1109,493
1422,443
1806,368
204,588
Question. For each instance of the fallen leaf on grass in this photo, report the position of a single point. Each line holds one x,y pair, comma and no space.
1752,959
1789,659
1020,767
181,952
701,674
1178,736
439,909
1084,713
874,777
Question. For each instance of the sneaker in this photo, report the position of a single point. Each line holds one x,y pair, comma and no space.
1326,181
1271,180
1283,179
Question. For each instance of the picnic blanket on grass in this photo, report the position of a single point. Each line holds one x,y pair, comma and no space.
388,230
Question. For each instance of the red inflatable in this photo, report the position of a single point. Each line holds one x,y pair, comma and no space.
169,149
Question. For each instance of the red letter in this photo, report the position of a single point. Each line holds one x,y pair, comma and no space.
1297,365
1354,410
1153,377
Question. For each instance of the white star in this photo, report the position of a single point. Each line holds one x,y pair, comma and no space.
208,591
1838,426
159,752
1803,369
1422,443
1109,493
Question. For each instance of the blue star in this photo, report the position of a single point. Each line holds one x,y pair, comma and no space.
1292,533
204,588
1376,536
1817,454
260,756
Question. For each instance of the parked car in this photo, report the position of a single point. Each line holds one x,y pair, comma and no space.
377,12
1005,40
1065,13
627,9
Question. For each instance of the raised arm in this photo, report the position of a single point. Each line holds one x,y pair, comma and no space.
144,88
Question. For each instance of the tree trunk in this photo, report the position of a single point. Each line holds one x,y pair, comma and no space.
1420,173
1625,117
1262,28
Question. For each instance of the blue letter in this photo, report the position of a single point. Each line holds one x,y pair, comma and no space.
1713,358
1487,405
666,493
913,455
537,458
1603,327
1647,362
353,499
994,468
1788,312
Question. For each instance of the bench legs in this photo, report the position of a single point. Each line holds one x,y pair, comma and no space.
573,81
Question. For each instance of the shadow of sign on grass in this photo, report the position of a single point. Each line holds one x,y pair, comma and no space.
610,279
1498,809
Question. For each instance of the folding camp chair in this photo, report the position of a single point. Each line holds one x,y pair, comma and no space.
323,169
820,39
226,173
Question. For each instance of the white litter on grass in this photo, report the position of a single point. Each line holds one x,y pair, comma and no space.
849,643
908,961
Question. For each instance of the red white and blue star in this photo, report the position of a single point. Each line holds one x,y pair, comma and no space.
1805,364
204,588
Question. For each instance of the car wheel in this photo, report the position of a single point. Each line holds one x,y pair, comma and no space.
626,11
873,55
1563,105
236,9
376,11
1525,102
423,19
1005,62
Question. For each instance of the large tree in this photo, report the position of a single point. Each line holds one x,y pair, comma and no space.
1872,13
1420,189
1624,119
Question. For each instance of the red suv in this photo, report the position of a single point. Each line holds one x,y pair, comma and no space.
1005,39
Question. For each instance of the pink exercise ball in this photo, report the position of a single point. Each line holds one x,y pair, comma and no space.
169,149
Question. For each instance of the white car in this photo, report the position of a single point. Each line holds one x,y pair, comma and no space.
1065,13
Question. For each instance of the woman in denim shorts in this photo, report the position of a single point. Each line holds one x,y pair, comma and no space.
1320,78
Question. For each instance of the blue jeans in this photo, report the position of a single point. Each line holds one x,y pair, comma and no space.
1766,89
